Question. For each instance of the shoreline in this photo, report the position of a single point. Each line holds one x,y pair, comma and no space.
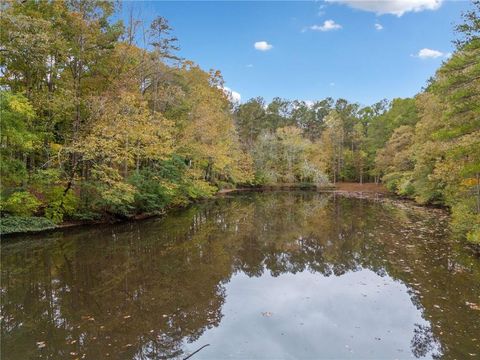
361,191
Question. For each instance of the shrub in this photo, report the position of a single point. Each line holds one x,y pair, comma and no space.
21,203
405,187
465,221
197,189
17,224
391,181
60,204
152,193
111,193
399,183
473,236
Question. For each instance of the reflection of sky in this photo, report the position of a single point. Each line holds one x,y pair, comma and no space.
357,315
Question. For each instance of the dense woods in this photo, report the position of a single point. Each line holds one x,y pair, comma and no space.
102,118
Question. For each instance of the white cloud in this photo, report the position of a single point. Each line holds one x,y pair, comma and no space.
378,26
395,7
232,95
249,65
262,46
429,54
332,84
328,25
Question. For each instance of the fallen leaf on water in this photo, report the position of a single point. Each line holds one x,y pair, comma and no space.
473,306
267,313
41,344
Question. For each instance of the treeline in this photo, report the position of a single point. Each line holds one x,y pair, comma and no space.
101,118
426,148
94,125
322,141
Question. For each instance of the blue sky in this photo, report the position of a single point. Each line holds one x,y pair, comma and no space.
314,49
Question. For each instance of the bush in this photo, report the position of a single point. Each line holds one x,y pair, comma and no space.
18,224
399,183
83,214
57,203
465,221
197,189
405,187
473,236
152,193
60,204
223,185
110,193
21,203
391,181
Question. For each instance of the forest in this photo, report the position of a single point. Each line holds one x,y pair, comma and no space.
95,126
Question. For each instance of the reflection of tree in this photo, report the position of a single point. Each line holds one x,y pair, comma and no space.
140,290
423,342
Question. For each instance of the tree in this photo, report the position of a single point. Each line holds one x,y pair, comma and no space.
332,140
17,138
250,120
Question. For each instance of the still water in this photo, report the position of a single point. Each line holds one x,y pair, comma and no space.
284,275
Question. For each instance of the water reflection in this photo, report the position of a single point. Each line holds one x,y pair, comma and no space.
279,275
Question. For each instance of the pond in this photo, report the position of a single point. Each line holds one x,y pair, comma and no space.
279,275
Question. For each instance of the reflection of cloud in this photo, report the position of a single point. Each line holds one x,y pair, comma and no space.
352,309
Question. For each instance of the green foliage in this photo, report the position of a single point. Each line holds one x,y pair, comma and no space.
112,195
17,224
152,192
286,157
438,160
21,203
466,222
59,200
198,189
473,235
401,112
392,181
405,186
60,204
17,138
